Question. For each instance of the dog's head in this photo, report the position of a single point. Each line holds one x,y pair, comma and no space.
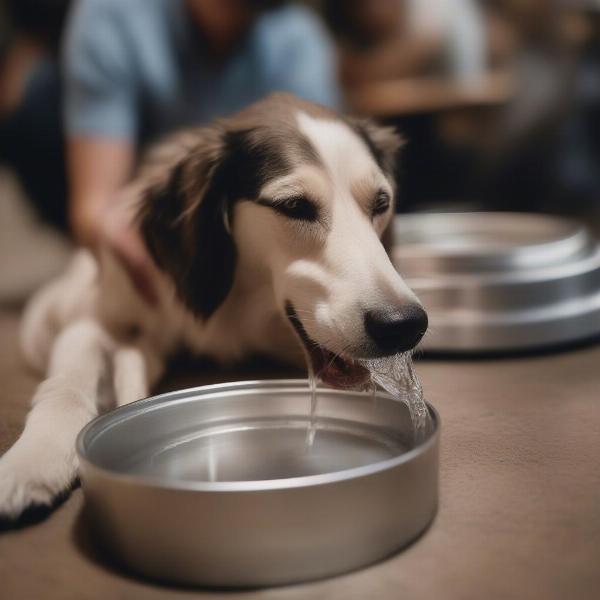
290,194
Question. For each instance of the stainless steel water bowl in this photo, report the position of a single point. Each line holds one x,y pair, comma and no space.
500,281
217,486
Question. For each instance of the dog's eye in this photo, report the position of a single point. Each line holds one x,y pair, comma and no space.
381,203
296,207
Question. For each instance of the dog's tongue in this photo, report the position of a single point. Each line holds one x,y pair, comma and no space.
330,368
338,372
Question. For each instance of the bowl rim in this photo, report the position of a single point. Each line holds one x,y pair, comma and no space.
105,421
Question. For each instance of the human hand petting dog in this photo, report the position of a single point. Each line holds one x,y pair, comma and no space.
118,231
103,206
112,225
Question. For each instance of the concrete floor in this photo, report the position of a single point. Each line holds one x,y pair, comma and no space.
519,512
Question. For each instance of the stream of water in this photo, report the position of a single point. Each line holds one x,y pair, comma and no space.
397,376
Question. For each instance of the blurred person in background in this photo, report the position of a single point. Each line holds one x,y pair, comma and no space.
460,28
393,39
135,70
541,61
579,169
138,69
544,147
31,139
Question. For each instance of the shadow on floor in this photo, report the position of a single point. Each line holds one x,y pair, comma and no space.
33,515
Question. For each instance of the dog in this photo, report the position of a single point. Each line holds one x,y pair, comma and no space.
266,228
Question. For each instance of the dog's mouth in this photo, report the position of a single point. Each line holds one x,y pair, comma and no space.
332,368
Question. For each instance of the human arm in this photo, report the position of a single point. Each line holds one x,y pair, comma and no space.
97,169
101,129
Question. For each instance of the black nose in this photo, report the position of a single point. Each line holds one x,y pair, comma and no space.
396,329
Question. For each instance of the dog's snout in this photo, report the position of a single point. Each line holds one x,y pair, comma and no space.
396,329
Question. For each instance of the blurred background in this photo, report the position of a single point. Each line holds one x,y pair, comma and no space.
498,100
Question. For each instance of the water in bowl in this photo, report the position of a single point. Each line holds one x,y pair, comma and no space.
265,449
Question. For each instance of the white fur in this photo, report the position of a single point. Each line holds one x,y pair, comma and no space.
101,345
353,269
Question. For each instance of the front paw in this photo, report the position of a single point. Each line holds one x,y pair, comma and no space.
23,487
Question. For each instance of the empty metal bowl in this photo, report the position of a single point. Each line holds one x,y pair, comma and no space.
218,485
500,281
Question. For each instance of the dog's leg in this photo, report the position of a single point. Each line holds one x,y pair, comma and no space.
61,301
42,463
135,371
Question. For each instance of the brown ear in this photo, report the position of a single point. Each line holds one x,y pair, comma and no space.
183,221
383,142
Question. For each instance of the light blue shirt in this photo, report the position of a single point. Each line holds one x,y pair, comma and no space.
134,69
